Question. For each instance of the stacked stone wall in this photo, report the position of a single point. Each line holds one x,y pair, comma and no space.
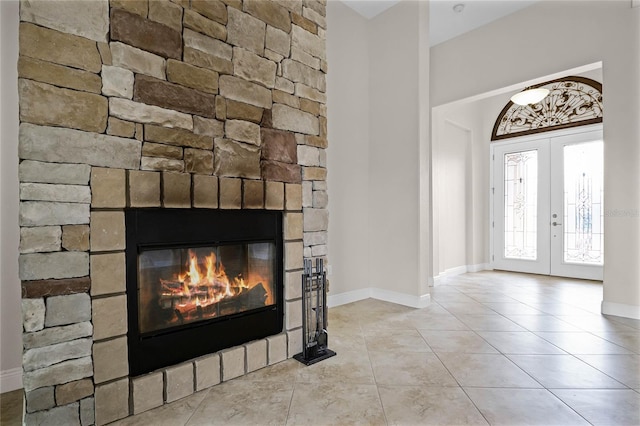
217,104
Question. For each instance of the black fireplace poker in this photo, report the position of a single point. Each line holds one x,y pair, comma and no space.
314,314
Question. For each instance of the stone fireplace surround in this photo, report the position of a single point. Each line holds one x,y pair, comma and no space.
226,111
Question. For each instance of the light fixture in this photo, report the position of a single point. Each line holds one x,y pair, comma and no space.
530,96
458,8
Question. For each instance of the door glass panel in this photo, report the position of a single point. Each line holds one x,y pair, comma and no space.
583,212
521,205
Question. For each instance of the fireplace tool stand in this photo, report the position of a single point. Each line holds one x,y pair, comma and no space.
314,314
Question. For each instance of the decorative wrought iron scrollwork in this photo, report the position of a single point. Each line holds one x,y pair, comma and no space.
572,101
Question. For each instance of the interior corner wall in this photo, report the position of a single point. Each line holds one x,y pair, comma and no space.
396,256
10,306
514,49
347,155
378,155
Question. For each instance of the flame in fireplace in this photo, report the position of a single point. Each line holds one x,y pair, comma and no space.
204,284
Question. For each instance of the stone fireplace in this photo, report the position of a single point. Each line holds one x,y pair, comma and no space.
200,107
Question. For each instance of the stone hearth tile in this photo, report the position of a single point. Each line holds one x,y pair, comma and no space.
107,273
178,382
409,368
108,188
110,360
230,193
112,401
293,196
293,226
176,190
346,367
107,231
274,196
233,362
176,413
256,355
276,348
294,314
293,255
144,189
253,194
207,371
109,317
205,191
242,402
335,404
419,405
525,406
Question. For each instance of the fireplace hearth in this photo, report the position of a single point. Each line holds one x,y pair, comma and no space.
199,281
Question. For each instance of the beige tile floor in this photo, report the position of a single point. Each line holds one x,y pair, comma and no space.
491,348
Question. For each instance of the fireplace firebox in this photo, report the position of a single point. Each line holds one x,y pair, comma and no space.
199,281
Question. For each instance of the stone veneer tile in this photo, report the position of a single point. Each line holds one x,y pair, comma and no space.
38,358
107,273
109,316
294,314
56,374
293,255
137,60
40,239
117,127
205,191
253,194
87,411
293,196
107,231
42,266
45,288
110,360
73,391
246,31
33,313
147,35
294,342
281,172
178,382
53,335
279,145
58,75
90,21
207,371
277,348
70,174
65,415
235,159
144,189
233,363
75,237
60,48
293,285
293,226
212,9
40,399
274,196
256,355
230,193
198,161
111,402
167,13
176,190
108,188
151,91
147,392
178,137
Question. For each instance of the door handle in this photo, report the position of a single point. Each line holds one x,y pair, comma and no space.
556,223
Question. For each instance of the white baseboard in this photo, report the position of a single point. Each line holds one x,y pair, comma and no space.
459,270
621,310
10,380
334,300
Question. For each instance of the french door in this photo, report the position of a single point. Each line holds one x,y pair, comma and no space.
548,205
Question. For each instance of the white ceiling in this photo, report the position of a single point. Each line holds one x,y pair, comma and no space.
444,23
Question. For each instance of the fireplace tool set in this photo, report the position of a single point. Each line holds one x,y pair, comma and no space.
314,314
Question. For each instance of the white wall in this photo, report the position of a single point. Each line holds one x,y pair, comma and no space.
10,306
389,205
347,155
517,49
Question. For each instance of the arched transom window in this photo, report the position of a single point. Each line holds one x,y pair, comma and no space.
572,101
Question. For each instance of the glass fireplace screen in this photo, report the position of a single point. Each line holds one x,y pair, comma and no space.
179,286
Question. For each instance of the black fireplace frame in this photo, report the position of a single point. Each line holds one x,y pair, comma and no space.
193,228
